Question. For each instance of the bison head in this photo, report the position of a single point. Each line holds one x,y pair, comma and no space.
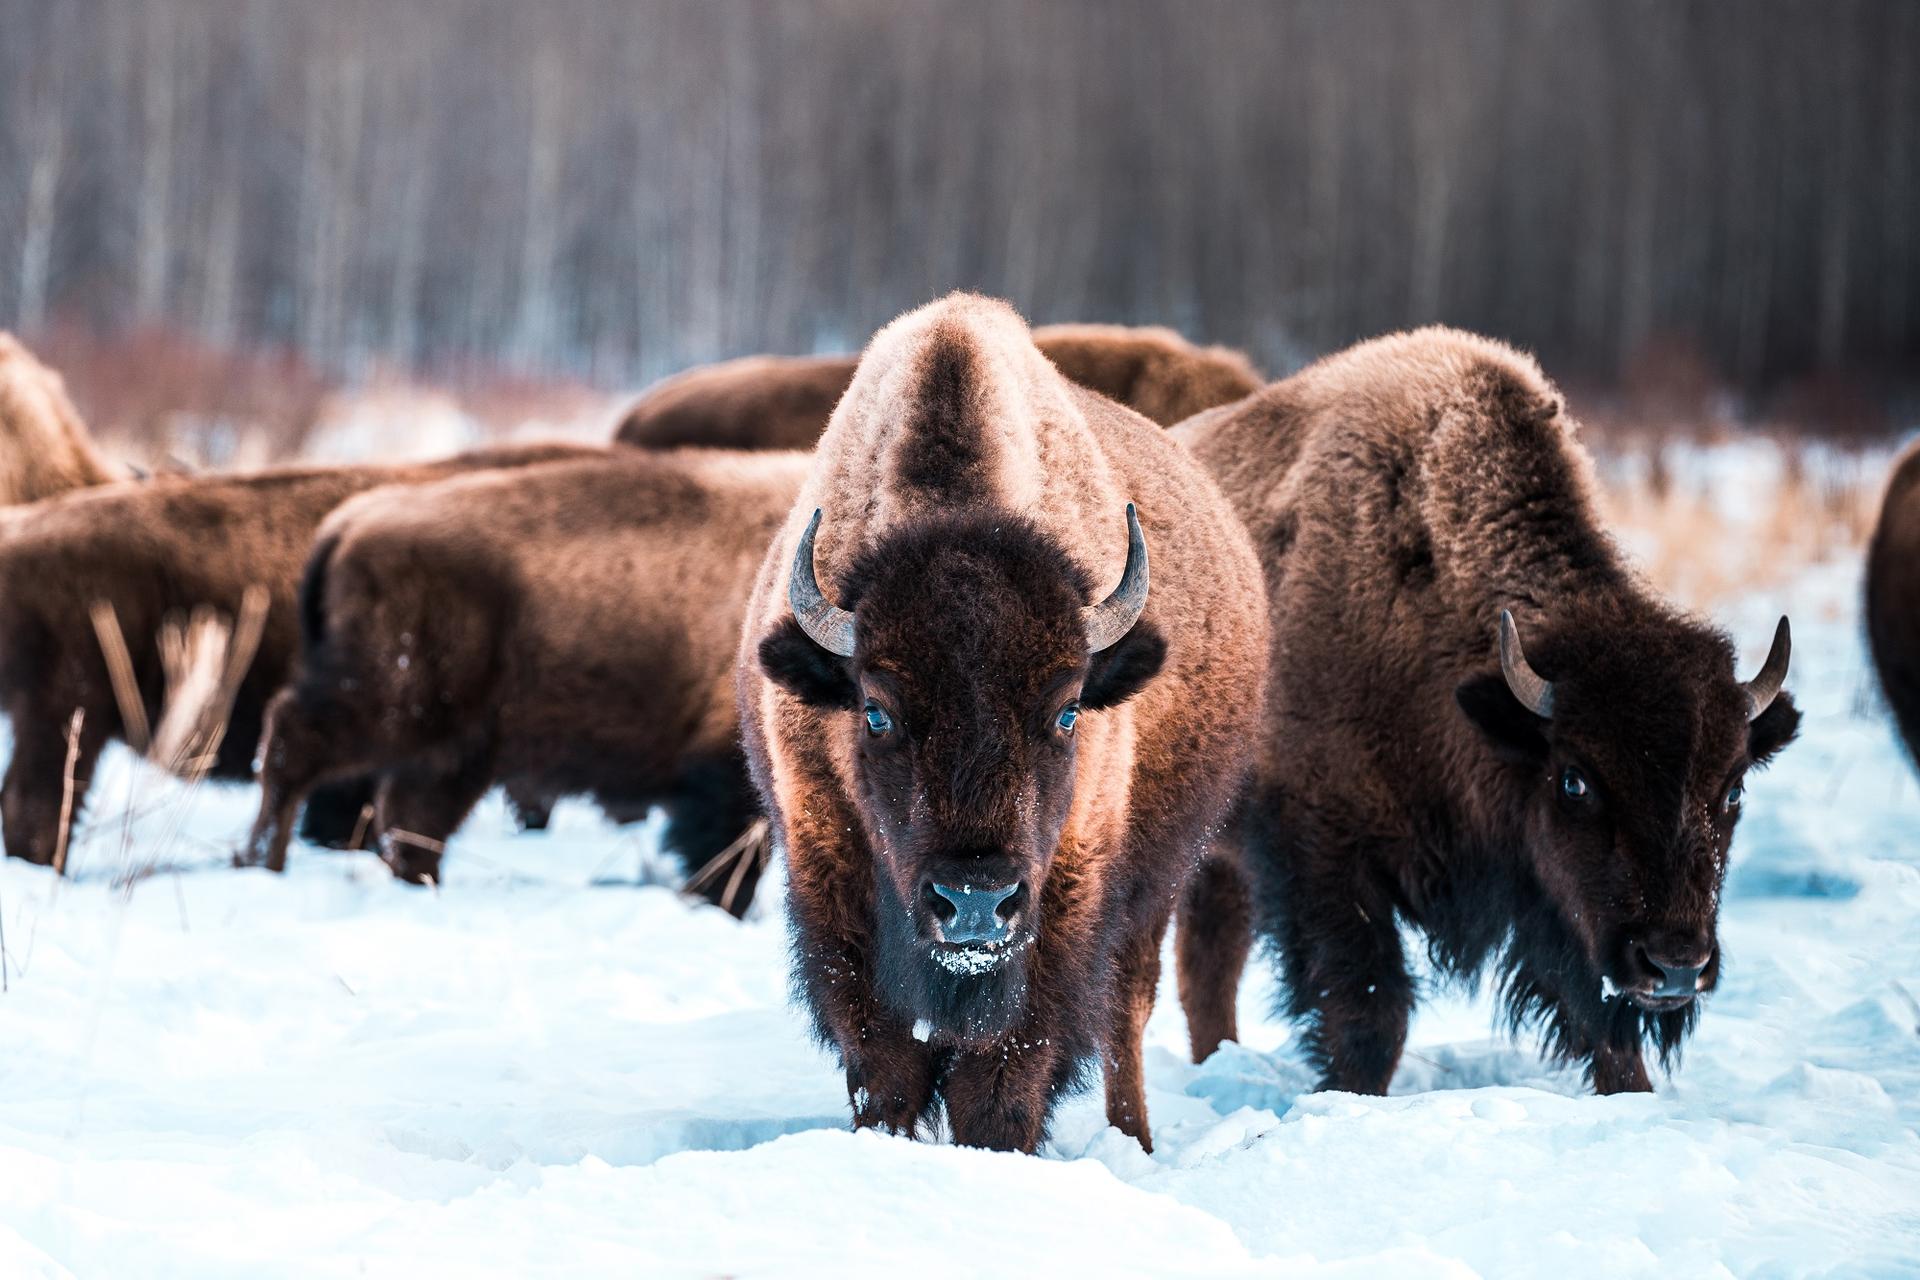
969,665
1631,746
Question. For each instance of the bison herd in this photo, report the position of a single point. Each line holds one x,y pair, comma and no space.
1015,646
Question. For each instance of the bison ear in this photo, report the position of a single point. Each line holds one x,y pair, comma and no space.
1119,672
1772,729
794,662
1515,733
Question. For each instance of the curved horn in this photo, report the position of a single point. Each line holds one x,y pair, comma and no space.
1765,687
1113,617
829,626
1534,693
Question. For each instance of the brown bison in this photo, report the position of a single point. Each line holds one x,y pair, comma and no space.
990,743
1482,723
562,629
783,402
154,552
44,447
1893,597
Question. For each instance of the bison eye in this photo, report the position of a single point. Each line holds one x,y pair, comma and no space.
1731,801
879,723
1068,714
1573,784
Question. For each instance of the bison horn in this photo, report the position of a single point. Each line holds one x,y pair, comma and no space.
1763,688
1534,693
1113,617
829,626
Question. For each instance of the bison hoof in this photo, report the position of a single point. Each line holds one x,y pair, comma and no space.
408,871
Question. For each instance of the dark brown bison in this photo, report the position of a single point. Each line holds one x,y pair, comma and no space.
990,743
783,402
44,446
1482,723
155,552
562,629
1893,597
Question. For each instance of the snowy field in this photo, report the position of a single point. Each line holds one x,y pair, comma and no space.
545,1068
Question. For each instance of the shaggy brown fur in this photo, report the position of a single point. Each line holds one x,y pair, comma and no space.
973,503
783,402
1893,597
563,629
1402,494
154,551
44,447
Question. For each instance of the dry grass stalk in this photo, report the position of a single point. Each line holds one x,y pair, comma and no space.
360,828
1703,550
205,659
66,793
126,689
752,848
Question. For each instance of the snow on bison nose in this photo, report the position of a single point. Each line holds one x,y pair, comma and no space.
1667,971
969,915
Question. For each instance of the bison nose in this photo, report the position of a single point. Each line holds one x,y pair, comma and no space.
1676,969
970,915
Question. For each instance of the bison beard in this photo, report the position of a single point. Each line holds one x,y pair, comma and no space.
973,1003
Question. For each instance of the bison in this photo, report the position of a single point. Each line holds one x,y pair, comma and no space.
783,402
44,446
1483,724
1893,597
562,629
154,552
991,742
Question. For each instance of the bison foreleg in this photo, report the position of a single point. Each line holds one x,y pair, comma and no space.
310,739
36,798
1618,1070
532,806
423,803
339,815
1136,978
1215,935
1000,1098
1345,966
891,1079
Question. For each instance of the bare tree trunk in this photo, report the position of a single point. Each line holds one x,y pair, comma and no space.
154,204
537,340
44,168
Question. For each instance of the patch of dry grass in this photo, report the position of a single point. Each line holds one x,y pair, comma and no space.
1709,520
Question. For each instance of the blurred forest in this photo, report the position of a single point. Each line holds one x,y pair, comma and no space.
608,190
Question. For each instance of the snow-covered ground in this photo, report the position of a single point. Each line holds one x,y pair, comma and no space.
545,1069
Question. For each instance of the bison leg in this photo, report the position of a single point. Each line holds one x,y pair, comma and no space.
532,807
892,1077
891,1080
34,795
1136,978
1620,1070
1000,1099
710,825
1340,948
1214,937
338,815
422,804
307,741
